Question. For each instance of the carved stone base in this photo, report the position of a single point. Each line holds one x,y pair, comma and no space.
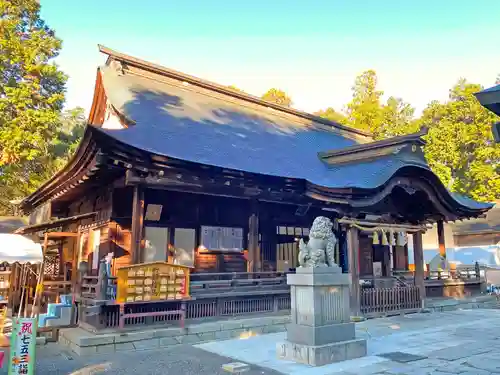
322,354
320,331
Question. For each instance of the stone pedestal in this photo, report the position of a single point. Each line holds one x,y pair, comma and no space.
320,331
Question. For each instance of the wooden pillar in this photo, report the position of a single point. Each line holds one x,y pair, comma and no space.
353,259
74,261
418,255
137,224
37,301
441,239
253,239
407,263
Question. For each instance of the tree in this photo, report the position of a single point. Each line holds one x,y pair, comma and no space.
332,115
277,96
460,148
18,182
31,97
364,112
397,119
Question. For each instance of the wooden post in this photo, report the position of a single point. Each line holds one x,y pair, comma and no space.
253,239
39,285
137,223
407,265
441,238
74,262
353,258
418,256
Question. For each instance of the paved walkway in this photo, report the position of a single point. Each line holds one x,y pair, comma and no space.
465,342
179,360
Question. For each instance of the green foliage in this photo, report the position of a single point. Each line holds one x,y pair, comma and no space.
31,88
364,112
460,147
333,115
20,179
35,138
277,96
397,119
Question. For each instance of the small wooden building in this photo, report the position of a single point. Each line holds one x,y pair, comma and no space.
175,168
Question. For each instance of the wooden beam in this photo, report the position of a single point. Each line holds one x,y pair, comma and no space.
217,187
137,223
61,234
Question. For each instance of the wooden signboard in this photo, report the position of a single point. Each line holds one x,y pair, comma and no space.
222,238
156,281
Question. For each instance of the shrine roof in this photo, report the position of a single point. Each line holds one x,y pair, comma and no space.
174,115
185,118
490,99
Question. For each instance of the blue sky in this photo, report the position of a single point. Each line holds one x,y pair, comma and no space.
311,49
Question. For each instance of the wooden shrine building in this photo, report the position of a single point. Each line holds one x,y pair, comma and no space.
490,99
176,168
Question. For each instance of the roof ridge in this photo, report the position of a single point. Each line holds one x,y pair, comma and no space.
394,141
223,89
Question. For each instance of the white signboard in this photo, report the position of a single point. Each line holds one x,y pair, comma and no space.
222,238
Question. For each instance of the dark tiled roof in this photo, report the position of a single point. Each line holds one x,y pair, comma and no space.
191,123
490,98
491,223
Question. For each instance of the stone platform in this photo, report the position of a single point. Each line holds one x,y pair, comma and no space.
464,342
85,343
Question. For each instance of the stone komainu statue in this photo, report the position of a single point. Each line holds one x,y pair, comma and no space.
320,250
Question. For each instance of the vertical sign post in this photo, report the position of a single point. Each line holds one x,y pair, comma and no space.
23,346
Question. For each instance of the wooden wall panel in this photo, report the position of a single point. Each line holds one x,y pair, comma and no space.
206,262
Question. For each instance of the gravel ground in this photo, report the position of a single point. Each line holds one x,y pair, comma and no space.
180,360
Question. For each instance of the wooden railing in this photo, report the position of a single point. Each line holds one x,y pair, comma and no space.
221,295
384,301
214,284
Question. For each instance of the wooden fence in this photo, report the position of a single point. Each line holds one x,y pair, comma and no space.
387,301
223,295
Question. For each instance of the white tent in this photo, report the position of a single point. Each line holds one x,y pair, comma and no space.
17,248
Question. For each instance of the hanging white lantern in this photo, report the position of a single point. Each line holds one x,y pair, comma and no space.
402,239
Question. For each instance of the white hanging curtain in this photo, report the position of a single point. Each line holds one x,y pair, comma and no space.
17,248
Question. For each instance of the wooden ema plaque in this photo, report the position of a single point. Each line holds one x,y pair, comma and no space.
156,281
